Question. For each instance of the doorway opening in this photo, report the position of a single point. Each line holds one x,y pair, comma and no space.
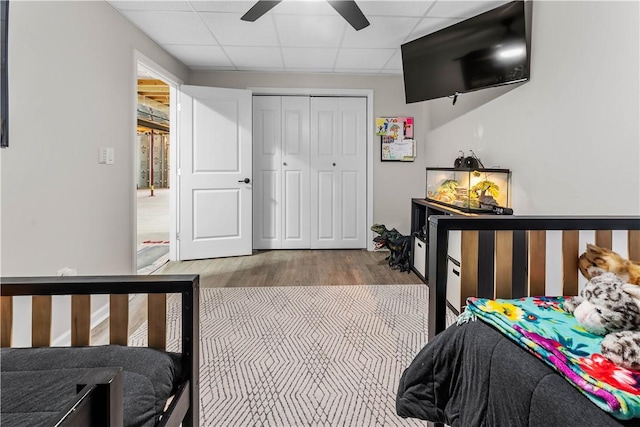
152,177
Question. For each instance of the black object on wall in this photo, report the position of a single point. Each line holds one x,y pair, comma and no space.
4,79
490,49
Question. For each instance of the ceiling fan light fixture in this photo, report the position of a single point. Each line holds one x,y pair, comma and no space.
260,8
348,9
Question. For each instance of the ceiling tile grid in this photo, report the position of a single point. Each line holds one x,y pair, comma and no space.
296,35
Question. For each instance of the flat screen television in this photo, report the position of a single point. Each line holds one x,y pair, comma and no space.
487,50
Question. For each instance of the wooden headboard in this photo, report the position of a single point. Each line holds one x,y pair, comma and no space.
514,262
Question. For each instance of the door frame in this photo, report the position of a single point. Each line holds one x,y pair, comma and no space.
364,93
174,83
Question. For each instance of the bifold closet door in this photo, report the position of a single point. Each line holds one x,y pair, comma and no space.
338,172
281,172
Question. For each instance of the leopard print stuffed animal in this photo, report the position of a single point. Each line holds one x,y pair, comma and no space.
597,260
608,306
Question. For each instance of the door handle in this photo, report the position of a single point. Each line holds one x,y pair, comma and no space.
246,180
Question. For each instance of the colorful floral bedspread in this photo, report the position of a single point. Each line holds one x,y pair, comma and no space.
540,325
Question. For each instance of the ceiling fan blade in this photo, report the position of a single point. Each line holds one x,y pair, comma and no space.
350,12
259,9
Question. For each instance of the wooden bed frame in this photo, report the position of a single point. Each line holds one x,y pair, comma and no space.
515,256
99,401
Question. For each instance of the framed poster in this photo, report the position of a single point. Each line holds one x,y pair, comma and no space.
397,150
398,127
396,139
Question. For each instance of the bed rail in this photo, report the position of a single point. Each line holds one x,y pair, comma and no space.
186,402
513,252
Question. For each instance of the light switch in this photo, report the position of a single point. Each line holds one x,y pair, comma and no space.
106,156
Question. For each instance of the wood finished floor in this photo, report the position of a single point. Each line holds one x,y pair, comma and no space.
275,268
294,268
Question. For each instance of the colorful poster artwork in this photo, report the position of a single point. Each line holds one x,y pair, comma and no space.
398,127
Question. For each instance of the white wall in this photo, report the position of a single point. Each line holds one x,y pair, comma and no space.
394,183
72,90
571,135
72,83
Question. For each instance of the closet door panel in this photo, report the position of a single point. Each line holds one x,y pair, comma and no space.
350,223
338,164
295,170
325,224
353,169
267,163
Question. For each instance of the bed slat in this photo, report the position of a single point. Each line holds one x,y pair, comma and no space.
41,321
537,262
486,263
80,320
604,239
6,321
570,243
504,263
157,315
119,319
634,245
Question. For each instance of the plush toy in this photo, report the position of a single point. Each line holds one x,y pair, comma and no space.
597,260
608,306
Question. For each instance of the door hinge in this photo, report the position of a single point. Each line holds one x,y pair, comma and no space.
177,236
179,107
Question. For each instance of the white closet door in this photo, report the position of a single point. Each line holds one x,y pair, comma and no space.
267,181
295,173
281,172
338,172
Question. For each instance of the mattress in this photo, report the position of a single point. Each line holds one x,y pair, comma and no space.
37,383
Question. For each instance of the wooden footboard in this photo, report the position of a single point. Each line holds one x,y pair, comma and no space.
513,252
184,408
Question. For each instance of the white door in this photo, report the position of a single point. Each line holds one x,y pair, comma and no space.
215,194
281,171
338,172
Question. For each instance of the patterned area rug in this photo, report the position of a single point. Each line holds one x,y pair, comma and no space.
305,356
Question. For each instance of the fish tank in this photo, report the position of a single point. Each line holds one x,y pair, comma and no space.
470,190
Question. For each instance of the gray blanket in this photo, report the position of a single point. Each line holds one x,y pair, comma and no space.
472,375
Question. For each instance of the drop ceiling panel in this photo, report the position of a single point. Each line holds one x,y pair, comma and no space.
296,35
207,56
152,5
310,31
363,58
309,59
430,25
389,32
229,30
395,8
395,63
462,9
255,57
172,27
310,8
238,6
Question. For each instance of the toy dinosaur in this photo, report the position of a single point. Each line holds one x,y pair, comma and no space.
399,247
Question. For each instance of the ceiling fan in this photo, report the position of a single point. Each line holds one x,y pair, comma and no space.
348,9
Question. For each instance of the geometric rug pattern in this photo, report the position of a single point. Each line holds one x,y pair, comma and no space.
305,355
